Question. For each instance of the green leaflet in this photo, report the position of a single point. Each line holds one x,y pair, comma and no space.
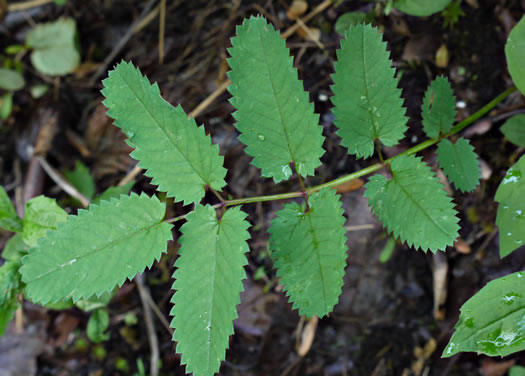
8,218
310,252
11,80
514,130
345,21
511,210
492,321
9,288
274,115
81,179
97,325
175,152
208,283
367,101
439,108
114,192
97,249
413,205
460,163
515,53
517,371
55,52
421,7
15,248
41,215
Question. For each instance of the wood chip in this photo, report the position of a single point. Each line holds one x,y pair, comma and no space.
307,336
297,9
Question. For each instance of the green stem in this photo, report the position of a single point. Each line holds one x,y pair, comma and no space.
378,166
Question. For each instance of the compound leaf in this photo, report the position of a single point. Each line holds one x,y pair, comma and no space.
460,163
310,252
514,130
208,283
367,101
511,210
413,205
491,322
97,249
276,120
9,288
55,52
41,215
421,8
176,153
515,53
8,218
439,108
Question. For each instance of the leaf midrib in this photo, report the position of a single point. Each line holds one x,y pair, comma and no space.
319,261
124,238
159,124
416,203
285,131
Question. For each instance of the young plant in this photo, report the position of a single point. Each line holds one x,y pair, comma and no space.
92,252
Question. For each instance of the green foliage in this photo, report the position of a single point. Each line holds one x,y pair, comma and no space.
15,248
11,80
349,19
41,215
54,50
112,241
511,210
175,152
491,322
514,130
421,7
81,259
97,325
413,205
8,218
81,179
6,106
439,108
367,101
388,250
208,283
95,302
517,371
515,53
9,289
309,246
114,192
274,115
452,13
460,163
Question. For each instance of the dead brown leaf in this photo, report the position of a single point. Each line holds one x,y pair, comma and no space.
462,246
442,56
307,336
349,186
107,144
491,367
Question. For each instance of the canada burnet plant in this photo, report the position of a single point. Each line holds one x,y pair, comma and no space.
101,247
